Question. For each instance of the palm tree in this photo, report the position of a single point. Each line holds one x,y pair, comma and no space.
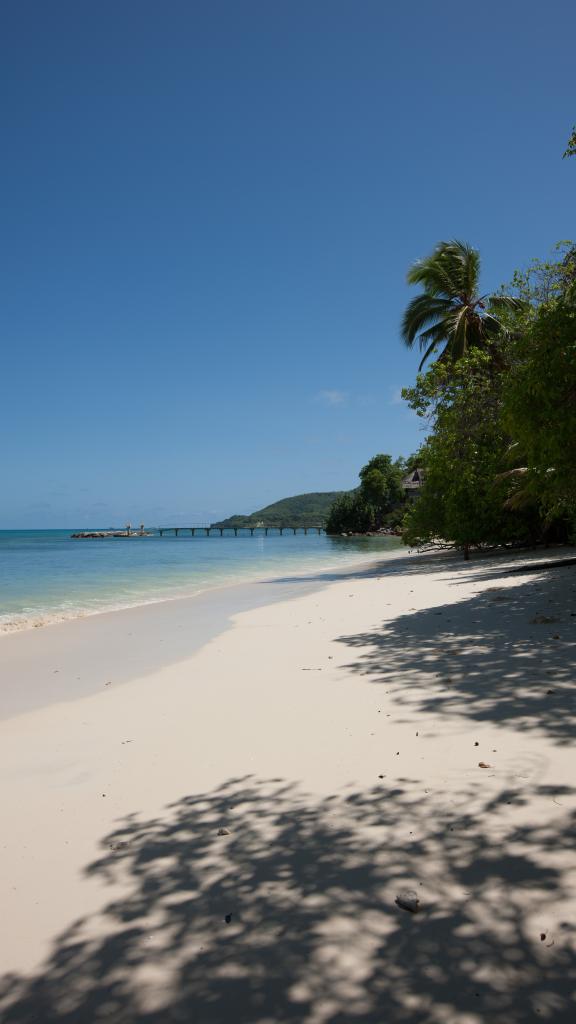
449,311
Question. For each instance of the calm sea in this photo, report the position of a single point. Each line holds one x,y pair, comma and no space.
45,576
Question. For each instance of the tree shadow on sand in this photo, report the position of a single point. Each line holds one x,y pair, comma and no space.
313,933
505,655
401,564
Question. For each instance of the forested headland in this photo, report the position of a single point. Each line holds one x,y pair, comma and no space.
300,510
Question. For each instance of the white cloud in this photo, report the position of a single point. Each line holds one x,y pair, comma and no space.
332,397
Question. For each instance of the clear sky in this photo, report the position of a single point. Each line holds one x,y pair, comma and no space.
208,211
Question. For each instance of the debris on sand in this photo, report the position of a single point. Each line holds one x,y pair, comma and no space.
409,901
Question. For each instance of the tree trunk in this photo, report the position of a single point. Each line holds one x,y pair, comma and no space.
466,552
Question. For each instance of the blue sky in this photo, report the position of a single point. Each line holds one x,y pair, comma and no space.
208,214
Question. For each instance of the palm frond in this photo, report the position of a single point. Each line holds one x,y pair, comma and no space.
433,274
437,333
427,353
420,312
490,325
466,266
507,302
449,309
459,333
451,270
523,496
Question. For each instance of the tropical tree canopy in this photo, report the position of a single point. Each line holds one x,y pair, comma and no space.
367,508
540,404
381,482
464,496
449,313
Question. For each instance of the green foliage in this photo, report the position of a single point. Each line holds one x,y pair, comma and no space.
500,461
545,280
463,498
366,509
571,147
351,513
540,403
409,464
450,312
301,510
381,482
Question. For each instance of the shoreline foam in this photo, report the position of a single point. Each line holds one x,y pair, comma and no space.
23,621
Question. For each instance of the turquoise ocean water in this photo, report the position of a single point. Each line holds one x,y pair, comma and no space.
45,576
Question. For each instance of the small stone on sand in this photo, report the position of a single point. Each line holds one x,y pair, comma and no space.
408,901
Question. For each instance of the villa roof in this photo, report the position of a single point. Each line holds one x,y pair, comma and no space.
413,480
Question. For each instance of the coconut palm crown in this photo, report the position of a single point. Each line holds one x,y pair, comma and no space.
449,311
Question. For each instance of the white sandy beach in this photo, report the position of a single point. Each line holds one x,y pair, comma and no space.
333,736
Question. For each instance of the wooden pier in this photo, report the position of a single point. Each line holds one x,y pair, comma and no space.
206,531
215,531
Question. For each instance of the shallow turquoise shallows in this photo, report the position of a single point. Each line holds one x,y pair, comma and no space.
45,576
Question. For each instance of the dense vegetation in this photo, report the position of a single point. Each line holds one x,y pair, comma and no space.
499,462
464,495
301,510
374,503
540,390
500,459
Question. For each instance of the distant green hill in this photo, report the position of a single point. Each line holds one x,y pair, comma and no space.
301,510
